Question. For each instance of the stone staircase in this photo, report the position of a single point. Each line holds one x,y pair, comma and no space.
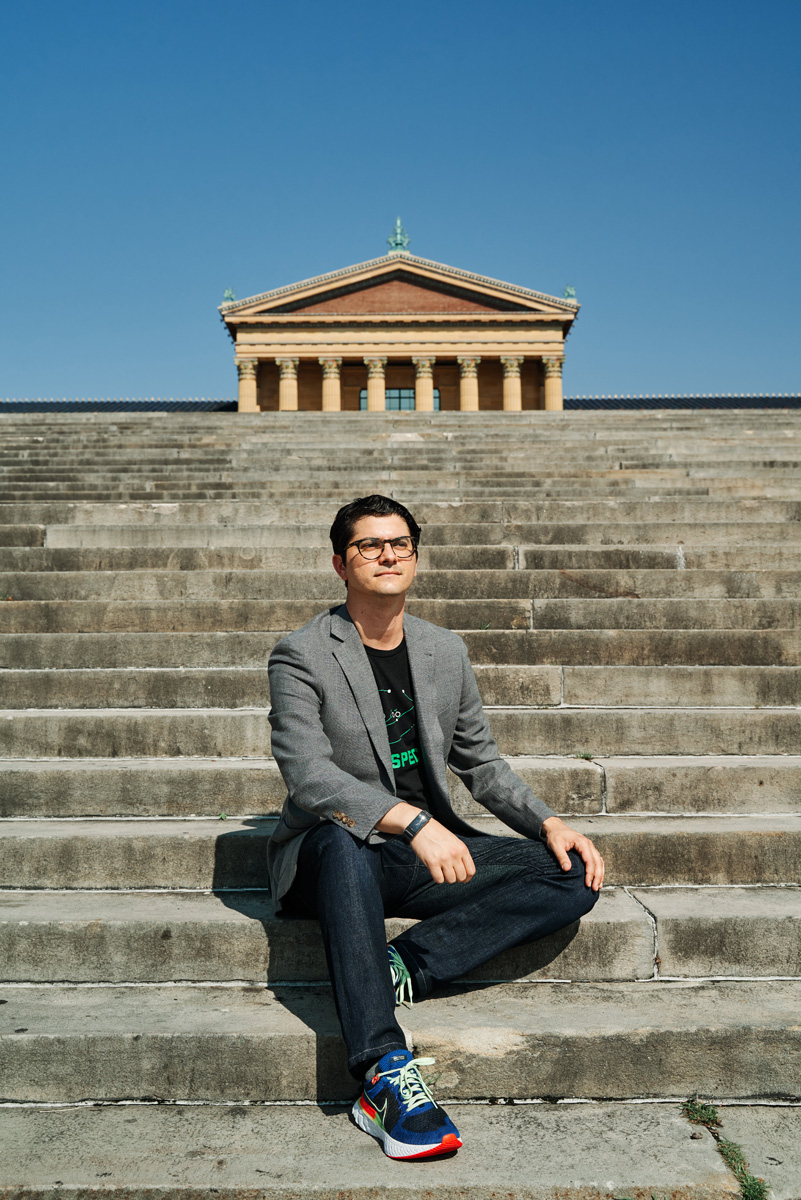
629,588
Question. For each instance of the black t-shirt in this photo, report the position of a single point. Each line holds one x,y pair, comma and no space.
394,683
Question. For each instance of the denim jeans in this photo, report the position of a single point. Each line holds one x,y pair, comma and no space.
519,893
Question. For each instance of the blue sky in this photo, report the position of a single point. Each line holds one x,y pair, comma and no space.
156,153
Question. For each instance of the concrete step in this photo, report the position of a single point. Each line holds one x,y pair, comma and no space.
229,687
180,787
611,647
717,534
652,731
769,556
221,558
91,937
146,937
632,647
662,614
757,559
645,851
21,535
42,651
317,511
244,732
507,685
683,783
250,1043
90,616
162,1152
325,588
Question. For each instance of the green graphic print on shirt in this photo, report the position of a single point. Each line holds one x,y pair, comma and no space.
393,680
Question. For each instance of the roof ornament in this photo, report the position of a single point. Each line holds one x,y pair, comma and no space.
570,293
398,240
228,295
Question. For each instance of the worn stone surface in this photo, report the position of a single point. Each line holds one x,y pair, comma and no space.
711,783
210,853
143,936
727,931
529,1152
605,1040
771,1141
685,687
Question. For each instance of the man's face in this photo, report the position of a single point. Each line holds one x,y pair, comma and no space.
387,575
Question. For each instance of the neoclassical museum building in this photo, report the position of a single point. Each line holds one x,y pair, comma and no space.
399,332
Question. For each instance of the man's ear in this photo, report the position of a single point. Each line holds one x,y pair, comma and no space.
339,567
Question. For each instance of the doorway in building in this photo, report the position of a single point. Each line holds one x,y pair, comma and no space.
397,399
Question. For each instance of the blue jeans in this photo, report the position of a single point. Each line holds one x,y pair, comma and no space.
518,894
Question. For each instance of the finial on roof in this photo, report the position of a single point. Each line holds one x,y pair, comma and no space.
228,295
399,239
570,293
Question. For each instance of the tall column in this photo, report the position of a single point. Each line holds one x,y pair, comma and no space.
424,384
288,384
376,395
468,384
553,383
512,392
247,371
332,395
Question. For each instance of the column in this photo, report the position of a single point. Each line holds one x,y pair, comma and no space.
553,383
512,393
468,384
332,395
246,369
376,396
288,384
424,384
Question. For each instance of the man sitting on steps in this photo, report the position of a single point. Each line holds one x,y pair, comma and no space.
369,708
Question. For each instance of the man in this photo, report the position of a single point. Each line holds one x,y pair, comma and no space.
369,708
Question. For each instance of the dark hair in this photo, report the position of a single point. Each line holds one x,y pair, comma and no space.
341,531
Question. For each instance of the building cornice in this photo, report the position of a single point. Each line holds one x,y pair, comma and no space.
392,262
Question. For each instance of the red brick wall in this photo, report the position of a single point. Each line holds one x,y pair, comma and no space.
397,296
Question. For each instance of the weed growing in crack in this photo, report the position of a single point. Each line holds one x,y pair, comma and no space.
699,1113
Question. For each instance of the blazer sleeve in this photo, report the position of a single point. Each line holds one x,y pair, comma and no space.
305,756
475,758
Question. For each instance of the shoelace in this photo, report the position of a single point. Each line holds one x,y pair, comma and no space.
410,1084
401,979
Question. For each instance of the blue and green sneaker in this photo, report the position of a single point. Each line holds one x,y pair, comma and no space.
397,1108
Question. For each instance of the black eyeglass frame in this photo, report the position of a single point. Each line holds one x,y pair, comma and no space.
384,542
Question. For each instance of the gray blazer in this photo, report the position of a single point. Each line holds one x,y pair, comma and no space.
330,741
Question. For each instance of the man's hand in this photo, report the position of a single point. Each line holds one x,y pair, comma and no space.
559,838
445,855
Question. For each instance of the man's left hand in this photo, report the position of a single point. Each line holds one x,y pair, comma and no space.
559,838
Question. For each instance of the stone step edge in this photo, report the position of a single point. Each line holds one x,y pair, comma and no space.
515,1040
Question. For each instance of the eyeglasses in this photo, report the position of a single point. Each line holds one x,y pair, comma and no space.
373,548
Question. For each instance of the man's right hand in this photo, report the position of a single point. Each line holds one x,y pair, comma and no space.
446,856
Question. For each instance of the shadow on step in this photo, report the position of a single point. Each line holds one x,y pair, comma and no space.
293,962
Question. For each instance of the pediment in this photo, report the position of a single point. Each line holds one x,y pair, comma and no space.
398,284
395,294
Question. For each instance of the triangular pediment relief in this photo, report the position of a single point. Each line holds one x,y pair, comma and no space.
399,284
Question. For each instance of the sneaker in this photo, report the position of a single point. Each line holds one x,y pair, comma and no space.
397,1108
401,979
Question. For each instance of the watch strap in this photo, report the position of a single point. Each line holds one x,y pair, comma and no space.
414,826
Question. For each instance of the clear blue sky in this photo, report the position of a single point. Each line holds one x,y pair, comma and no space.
155,153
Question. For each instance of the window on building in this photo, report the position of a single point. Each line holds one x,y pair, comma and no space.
397,399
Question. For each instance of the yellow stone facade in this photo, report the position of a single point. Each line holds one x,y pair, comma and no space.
399,322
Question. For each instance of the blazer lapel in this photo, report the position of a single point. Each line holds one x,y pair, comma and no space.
350,654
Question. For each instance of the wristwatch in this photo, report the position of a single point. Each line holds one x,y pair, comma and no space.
414,826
